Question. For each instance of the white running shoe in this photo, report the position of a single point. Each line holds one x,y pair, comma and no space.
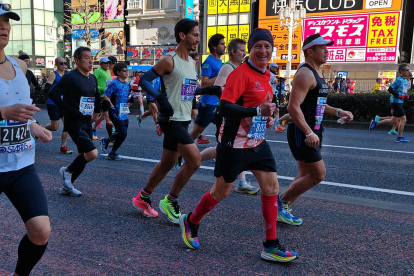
67,183
246,188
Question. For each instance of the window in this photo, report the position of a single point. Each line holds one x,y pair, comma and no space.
27,32
50,49
17,46
27,47
153,5
244,18
25,4
160,4
212,20
14,3
49,17
40,48
26,16
38,4
222,19
9,49
39,17
16,32
49,4
39,32
168,4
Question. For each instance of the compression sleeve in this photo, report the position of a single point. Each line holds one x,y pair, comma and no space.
146,85
98,99
390,90
56,94
227,109
47,88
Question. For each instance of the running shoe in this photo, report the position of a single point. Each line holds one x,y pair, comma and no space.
159,131
114,156
100,125
401,140
139,120
73,192
65,150
246,188
171,209
67,183
94,135
372,125
377,118
277,253
284,215
189,232
392,132
144,206
104,145
280,128
177,166
203,140
113,130
284,123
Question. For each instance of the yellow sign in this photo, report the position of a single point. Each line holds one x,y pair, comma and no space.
383,29
212,6
223,6
232,32
244,5
387,75
210,32
244,31
233,6
223,30
281,40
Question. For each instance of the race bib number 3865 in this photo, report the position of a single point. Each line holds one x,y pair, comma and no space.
87,105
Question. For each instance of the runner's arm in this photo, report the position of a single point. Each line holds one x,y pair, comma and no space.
223,74
227,109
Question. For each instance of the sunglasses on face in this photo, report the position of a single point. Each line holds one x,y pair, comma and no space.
124,69
5,7
62,63
406,70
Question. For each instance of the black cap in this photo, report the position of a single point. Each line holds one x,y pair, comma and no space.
257,35
113,59
24,56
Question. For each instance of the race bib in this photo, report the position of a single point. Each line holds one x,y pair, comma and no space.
87,105
124,109
188,89
258,128
320,110
15,136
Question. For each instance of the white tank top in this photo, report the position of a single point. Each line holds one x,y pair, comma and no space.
17,146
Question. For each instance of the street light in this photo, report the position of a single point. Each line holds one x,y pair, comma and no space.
55,37
291,17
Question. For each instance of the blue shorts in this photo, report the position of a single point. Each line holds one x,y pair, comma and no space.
55,112
206,113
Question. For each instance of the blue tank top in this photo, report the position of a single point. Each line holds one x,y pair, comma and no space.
57,79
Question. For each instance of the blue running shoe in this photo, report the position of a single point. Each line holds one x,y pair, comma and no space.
277,253
392,132
189,232
139,120
377,118
372,125
114,156
104,145
283,212
401,140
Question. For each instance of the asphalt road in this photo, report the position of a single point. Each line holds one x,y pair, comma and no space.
359,221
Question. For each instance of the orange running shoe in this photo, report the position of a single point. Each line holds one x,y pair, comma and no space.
280,128
144,206
203,140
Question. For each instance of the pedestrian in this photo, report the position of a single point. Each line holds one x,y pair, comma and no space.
18,177
247,108
376,87
307,106
82,105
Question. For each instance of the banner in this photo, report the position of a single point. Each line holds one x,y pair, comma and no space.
115,41
212,6
189,9
148,52
365,37
114,10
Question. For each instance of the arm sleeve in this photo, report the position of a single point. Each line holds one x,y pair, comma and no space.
228,109
98,99
390,90
146,85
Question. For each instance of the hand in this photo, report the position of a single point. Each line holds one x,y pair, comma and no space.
348,114
407,96
19,112
165,106
267,107
41,133
401,96
214,90
312,140
270,122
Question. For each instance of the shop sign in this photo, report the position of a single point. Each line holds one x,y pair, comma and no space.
40,61
358,38
50,62
148,53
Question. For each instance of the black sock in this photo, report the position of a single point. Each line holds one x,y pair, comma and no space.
28,256
200,136
109,130
77,166
180,160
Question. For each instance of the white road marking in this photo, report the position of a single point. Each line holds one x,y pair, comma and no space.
372,189
343,147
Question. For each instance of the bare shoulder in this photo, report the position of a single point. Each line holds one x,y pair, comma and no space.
304,78
164,66
22,64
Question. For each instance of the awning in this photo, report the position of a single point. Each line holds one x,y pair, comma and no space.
139,67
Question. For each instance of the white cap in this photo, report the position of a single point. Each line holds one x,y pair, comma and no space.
319,41
5,9
273,65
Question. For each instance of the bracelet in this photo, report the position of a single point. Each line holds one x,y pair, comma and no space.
337,112
30,121
259,111
310,134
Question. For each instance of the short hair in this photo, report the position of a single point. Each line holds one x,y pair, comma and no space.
194,54
118,67
377,79
185,26
234,45
78,52
401,67
308,40
214,41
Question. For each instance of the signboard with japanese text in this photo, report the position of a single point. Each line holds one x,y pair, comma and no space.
148,52
281,40
244,32
212,6
232,32
363,37
212,30
270,8
223,6
244,5
223,30
233,6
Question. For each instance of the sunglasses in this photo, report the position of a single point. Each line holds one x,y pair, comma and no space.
407,70
62,63
124,69
5,7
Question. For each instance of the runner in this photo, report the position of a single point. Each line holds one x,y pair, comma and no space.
209,72
18,177
152,104
307,105
194,111
103,77
175,102
82,104
398,92
246,106
137,95
117,94
54,111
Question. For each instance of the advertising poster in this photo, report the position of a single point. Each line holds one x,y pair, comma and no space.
114,10
115,41
366,37
78,41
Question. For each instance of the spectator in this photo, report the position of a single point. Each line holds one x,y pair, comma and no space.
337,85
376,87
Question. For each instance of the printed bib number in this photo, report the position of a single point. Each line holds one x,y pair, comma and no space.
320,110
87,105
124,109
188,89
258,128
15,136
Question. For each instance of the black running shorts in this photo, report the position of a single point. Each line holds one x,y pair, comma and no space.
230,162
82,138
398,111
25,192
175,133
300,151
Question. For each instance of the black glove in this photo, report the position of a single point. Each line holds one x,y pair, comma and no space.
106,105
112,112
165,106
214,90
75,114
